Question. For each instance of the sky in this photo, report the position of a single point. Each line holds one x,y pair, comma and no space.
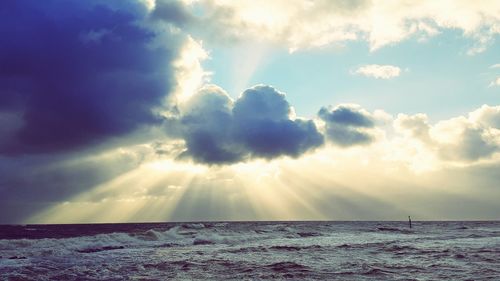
195,110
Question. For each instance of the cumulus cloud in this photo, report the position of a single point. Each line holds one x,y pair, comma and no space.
257,125
304,24
495,82
80,72
206,126
462,139
378,71
348,125
416,126
486,116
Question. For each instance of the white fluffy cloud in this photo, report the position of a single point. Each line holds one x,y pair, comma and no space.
379,71
304,24
495,82
461,139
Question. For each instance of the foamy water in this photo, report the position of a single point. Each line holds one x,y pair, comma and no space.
253,250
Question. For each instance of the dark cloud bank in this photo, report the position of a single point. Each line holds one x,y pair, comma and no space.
73,75
78,72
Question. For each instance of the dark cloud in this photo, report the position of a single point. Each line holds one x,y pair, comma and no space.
262,102
79,72
346,125
263,125
346,116
76,78
207,126
258,124
172,11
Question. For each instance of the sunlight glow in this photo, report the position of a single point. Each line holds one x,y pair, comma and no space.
150,4
321,185
190,74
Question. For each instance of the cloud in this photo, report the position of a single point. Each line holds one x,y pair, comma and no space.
379,71
171,11
416,126
495,82
497,65
206,126
305,24
80,83
257,125
459,139
265,125
80,72
347,125
486,116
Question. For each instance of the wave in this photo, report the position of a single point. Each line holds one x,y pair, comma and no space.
399,248
376,245
194,225
255,249
308,234
394,229
16,258
101,249
376,271
294,248
287,266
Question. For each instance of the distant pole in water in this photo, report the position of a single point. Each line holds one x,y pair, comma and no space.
409,221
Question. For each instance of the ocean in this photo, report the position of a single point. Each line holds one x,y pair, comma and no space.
252,251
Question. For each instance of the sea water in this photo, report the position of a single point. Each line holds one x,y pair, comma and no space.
252,250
